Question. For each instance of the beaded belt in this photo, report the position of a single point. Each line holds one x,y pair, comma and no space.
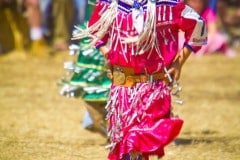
124,76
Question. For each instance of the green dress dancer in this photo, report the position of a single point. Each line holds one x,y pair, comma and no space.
87,79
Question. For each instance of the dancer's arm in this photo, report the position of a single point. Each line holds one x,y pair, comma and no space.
175,68
104,50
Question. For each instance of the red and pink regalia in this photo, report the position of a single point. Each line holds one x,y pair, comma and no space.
140,115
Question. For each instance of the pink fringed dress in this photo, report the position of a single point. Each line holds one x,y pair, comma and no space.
140,116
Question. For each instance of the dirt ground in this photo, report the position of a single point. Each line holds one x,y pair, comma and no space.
37,123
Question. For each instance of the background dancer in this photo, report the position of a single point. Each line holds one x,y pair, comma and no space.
88,80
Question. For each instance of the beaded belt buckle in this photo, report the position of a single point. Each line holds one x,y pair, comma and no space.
119,77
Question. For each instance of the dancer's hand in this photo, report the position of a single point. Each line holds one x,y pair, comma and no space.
109,71
104,50
175,68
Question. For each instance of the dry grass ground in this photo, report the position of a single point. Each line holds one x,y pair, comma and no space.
36,123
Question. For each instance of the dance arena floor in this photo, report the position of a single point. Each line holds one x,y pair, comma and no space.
36,123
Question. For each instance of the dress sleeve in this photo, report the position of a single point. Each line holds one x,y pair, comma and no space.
193,26
100,7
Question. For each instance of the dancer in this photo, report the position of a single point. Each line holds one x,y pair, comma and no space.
88,80
139,39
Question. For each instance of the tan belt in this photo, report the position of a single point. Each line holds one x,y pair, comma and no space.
126,77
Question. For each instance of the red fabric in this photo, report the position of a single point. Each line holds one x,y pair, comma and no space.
144,122
141,63
94,18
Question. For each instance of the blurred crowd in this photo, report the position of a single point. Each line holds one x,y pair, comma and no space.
41,27
223,21
44,27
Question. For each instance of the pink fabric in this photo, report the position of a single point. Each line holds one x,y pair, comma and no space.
216,41
141,123
209,15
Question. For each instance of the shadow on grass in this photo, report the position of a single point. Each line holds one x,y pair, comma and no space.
206,140
190,141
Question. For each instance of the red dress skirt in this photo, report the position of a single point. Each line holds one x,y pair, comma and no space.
140,120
